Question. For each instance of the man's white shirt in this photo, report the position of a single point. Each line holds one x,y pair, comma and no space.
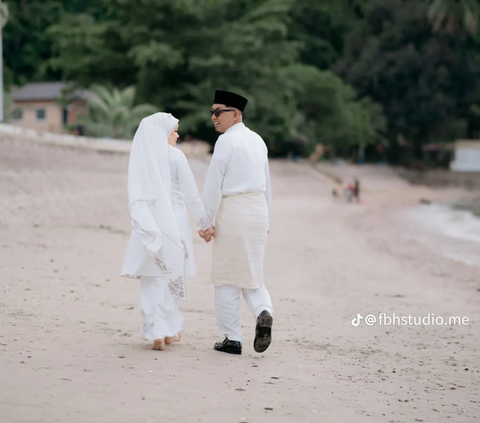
239,164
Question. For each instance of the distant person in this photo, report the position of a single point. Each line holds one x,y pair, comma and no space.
356,189
351,190
348,191
160,250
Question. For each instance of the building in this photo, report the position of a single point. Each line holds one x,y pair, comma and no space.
48,106
467,156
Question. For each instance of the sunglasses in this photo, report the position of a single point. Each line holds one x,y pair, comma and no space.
218,112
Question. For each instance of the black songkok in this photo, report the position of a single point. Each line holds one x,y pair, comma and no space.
230,100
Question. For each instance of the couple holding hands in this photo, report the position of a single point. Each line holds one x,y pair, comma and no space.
161,187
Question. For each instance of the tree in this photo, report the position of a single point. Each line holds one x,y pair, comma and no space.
450,14
177,53
327,111
27,45
113,114
321,28
216,44
425,82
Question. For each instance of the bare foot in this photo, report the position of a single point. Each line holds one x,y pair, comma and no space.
171,339
158,344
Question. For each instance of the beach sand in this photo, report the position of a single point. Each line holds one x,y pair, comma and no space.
70,328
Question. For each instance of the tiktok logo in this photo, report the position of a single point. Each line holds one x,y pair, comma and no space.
357,320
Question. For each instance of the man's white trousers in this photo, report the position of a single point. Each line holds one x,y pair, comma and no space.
227,307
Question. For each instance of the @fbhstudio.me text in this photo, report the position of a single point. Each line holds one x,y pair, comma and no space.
429,319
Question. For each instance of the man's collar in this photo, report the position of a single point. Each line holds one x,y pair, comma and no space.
235,127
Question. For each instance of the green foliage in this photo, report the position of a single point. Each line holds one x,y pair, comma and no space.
113,113
178,53
322,26
425,82
27,44
453,15
327,110
344,73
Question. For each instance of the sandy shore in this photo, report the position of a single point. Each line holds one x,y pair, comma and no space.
70,341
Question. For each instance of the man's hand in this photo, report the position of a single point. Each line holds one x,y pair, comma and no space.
208,234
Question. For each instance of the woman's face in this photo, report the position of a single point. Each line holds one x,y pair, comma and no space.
172,139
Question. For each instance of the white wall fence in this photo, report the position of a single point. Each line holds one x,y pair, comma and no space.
12,131
195,148
467,156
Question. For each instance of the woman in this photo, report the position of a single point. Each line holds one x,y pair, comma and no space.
160,250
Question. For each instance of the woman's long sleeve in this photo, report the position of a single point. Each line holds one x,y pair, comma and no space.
191,197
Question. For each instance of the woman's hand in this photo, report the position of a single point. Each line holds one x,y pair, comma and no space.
208,234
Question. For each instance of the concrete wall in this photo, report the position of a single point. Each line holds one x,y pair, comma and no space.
67,140
467,156
197,149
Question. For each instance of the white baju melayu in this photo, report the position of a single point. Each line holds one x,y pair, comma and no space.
160,250
237,193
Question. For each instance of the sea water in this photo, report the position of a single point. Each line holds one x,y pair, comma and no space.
451,228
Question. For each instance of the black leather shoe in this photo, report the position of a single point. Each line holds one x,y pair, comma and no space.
263,332
227,346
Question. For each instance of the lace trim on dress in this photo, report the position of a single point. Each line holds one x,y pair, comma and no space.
205,222
186,255
177,287
127,275
137,227
161,265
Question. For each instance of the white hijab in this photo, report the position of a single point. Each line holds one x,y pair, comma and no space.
150,199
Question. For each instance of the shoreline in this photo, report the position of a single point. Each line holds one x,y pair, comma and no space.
441,178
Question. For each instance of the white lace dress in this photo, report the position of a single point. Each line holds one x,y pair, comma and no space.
185,194
160,311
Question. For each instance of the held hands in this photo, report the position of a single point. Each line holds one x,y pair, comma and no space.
211,233
208,234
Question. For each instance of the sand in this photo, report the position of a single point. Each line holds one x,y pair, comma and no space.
71,348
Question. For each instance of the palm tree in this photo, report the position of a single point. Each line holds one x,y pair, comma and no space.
113,113
448,14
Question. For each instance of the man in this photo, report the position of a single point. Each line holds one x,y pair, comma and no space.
237,193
